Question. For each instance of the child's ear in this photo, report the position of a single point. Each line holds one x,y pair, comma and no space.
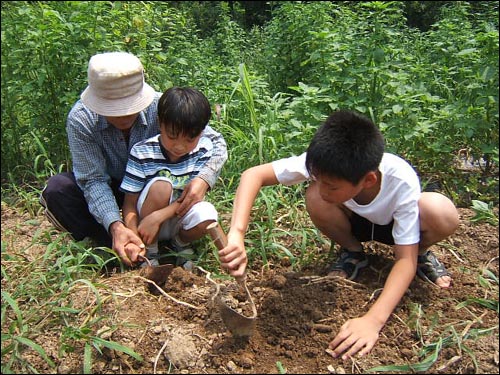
370,179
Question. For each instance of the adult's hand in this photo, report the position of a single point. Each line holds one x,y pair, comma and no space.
194,192
127,244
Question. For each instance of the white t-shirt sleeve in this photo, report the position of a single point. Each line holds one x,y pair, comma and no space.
406,229
292,170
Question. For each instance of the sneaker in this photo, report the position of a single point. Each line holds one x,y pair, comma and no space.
152,261
184,254
429,268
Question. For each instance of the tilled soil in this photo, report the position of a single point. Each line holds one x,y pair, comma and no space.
180,330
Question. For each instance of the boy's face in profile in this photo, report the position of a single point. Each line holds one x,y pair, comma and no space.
177,146
337,190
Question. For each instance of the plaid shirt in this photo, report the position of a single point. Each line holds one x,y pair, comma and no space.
100,152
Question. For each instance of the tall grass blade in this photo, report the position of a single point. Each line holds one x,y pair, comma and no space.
418,367
87,359
13,304
97,341
33,345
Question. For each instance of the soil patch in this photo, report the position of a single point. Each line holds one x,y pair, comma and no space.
179,330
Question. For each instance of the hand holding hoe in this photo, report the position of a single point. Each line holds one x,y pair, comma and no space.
237,323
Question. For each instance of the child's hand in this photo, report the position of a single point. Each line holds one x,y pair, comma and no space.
194,192
134,252
233,257
126,243
148,228
356,335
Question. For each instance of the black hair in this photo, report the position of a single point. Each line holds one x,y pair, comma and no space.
184,110
347,145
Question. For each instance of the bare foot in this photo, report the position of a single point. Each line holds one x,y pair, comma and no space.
443,282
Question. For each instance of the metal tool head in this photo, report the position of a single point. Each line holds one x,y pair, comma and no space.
238,324
157,274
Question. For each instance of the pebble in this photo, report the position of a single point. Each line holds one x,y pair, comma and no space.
333,370
246,360
231,366
157,329
323,328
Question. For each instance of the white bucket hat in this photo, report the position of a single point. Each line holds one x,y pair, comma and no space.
116,85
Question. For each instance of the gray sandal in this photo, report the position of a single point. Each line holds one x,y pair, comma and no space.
349,262
429,268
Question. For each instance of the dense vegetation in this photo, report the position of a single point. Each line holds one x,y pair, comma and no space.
434,93
425,72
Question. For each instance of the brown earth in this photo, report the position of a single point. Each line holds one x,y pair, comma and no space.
298,313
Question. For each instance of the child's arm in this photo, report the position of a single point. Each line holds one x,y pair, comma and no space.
126,242
361,334
193,193
130,215
149,226
233,256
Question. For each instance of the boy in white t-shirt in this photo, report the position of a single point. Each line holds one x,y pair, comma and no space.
357,193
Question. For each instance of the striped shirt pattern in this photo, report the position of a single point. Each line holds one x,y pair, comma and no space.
148,159
100,152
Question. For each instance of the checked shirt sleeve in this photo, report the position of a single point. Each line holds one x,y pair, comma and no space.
211,171
89,167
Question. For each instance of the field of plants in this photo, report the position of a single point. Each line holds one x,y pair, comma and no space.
277,70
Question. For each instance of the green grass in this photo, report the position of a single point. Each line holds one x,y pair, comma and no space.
435,338
36,298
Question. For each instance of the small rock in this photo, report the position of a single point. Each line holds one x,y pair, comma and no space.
323,328
333,370
231,366
104,333
286,262
157,329
407,353
246,360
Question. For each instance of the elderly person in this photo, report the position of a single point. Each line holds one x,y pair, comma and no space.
116,110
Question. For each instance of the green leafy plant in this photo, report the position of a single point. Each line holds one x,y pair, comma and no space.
281,369
483,212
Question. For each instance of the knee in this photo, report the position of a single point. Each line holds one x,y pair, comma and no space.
438,213
206,210
320,211
59,186
160,192
313,205
201,213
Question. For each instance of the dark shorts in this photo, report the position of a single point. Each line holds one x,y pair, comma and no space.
364,230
